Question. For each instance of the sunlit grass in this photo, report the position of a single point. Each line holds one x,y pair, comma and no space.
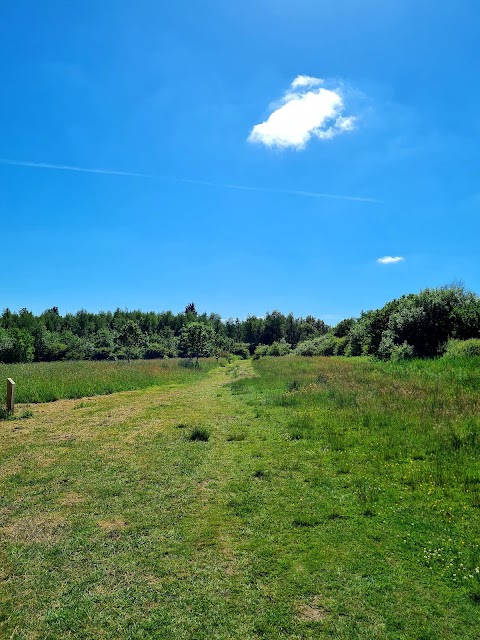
49,381
317,498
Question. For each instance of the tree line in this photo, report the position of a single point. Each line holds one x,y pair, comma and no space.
414,325
418,325
123,334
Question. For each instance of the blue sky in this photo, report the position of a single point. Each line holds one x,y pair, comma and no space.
197,98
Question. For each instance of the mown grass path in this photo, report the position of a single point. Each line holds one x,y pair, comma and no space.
319,507
106,524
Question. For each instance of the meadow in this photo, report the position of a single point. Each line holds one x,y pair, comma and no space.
50,381
282,498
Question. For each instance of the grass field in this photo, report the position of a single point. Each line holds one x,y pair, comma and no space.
292,498
49,381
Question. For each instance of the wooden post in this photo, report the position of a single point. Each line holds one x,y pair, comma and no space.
10,395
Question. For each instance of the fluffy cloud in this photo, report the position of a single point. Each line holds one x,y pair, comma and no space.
390,260
306,81
307,110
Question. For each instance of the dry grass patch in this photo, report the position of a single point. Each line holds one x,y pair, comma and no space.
40,529
10,468
71,499
113,526
313,612
63,437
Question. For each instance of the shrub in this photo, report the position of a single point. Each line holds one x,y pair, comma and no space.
356,340
340,346
321,346
155,351
260,351
386,346
463,348
402,352
241,349
279,348
308,347
16,345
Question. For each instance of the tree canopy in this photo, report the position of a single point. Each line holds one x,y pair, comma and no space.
417,325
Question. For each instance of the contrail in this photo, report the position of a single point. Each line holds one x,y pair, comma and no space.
148,176
66,167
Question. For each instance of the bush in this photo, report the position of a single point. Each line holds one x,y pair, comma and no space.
390,350
340,346
155,352
260,351
16,345
357,339
279,348
402,352
308,347
387,344
463,348
321,346
241,349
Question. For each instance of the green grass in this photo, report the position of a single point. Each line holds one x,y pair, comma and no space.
49,381
333,498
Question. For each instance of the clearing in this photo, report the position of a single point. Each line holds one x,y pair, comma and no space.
288,498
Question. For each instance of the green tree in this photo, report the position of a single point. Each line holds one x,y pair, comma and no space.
130,338
16,345
190,309
103,345
196,340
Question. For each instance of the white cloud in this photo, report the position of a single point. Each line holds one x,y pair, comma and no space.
306,110
390,260
306,81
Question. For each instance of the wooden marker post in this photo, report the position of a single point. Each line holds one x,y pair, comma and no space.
10,395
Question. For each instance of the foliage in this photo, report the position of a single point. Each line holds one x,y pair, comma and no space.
278,348
260,351
415,325
344,327
463,348
130,337
84,335
341,344
240,349
190,308
196,340
162,345
16,345
326,345
425,322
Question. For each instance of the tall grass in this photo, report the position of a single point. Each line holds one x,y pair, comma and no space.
49,381
398,443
